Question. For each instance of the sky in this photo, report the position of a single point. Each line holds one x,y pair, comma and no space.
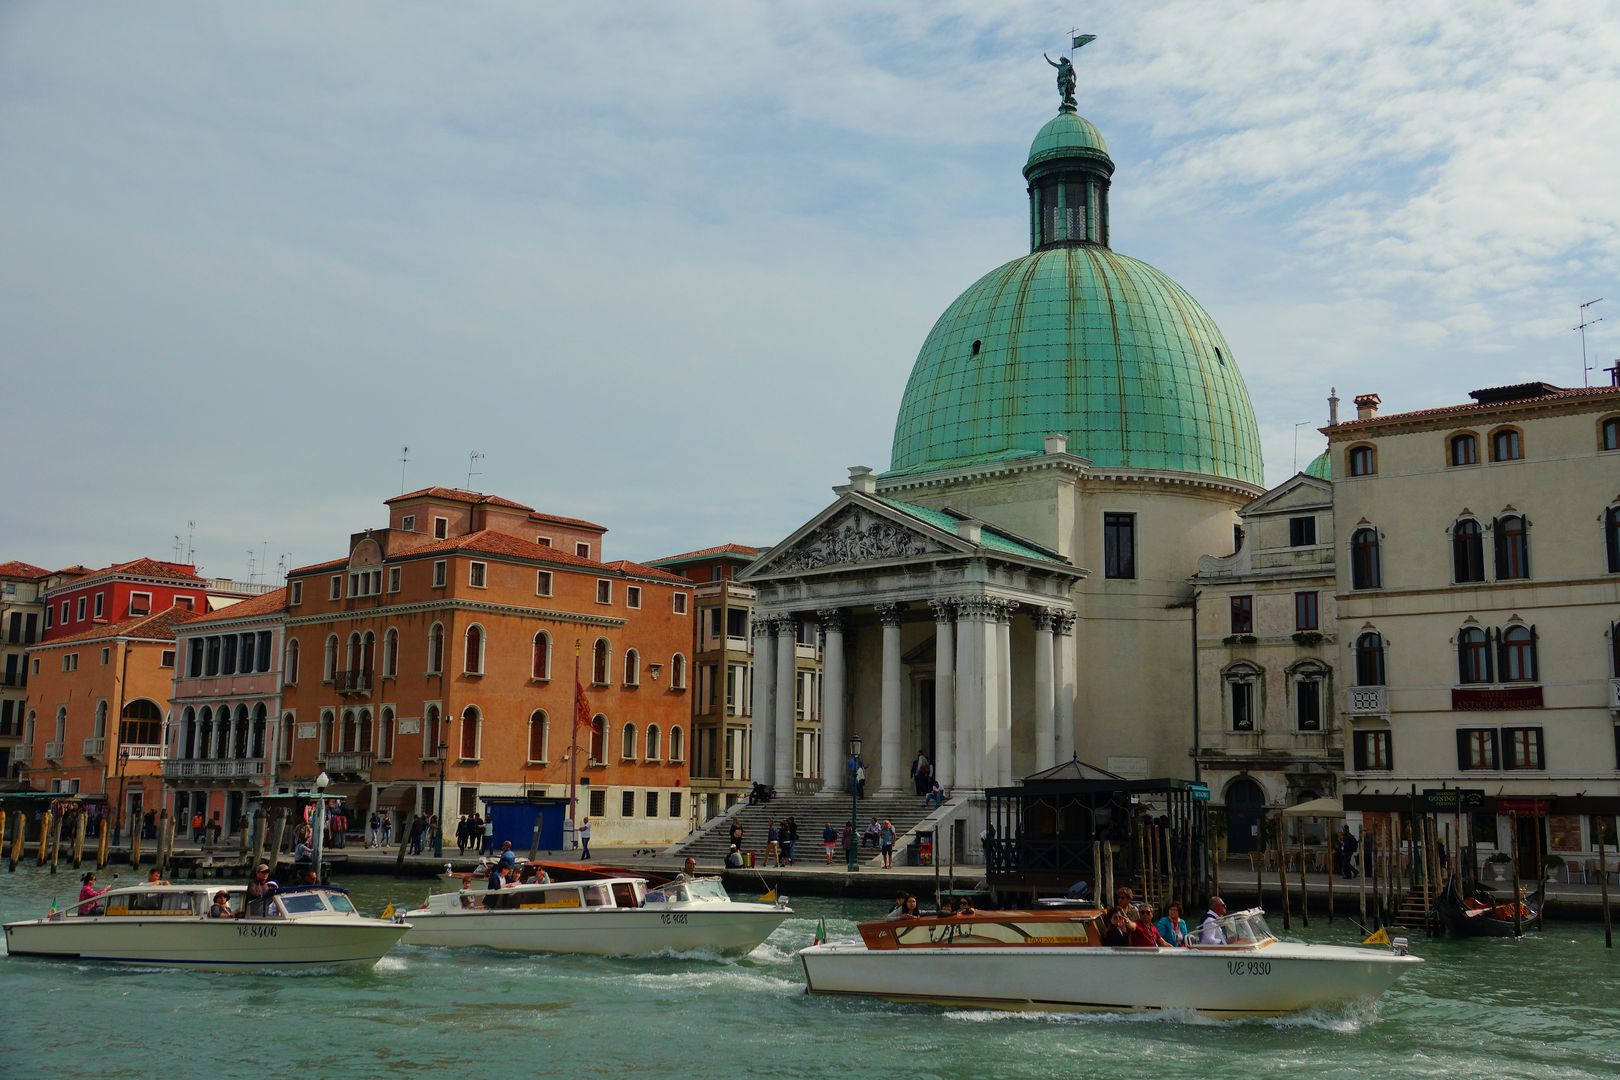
668,266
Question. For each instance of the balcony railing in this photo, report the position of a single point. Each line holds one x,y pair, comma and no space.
53,750
143,751
353,682
24,752
352,761
95,747
214,769
1368,700
13,678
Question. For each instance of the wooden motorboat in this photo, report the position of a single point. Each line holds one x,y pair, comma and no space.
1055,960
1484,915
616,916
168,926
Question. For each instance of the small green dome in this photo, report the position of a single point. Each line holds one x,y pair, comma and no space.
1066,135
1078,339
1321,468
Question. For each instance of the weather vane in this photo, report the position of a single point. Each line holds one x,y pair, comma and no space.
1065,70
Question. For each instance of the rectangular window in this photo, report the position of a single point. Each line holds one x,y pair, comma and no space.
334,587
1301,531
66,609
582,550
441,570
598,803
140,603
674,804
680,603
1308,704
1522,748
50,619
106,657
295,593
81,607
393,578
1242,706
477,574
1373,752
101,604
604,591
187,602
1305,616
1476,748
628,804
408,523
1119,545
632,596
441,528
542,582
166,658
1242,614
70,662
652,804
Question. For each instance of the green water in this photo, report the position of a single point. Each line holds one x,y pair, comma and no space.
1548,1006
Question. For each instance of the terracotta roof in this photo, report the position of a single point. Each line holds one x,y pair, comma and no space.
263,604
474,498
76,570
329,564
158,626
737,550
490,542
1571,393
18,569
145,567
634,569
558,519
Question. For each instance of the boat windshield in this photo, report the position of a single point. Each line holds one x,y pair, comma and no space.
686,892
301,903
340,902
1238,928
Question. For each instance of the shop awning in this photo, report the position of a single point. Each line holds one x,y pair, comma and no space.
1316,808
397,797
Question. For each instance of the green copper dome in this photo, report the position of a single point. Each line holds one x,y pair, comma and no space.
1321,467
1065,135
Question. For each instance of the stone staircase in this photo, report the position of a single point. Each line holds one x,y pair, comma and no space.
710,843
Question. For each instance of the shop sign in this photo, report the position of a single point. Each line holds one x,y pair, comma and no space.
1509,697
1452,800
1523,806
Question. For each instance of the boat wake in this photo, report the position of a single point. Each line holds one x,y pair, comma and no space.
722,978
1348,1018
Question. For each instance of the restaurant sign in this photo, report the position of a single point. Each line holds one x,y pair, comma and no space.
1453,800
1200,792
1523,806
1512,697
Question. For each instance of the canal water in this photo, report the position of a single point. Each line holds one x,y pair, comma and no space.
1546,1007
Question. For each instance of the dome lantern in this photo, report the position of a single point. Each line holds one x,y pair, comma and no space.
1068,172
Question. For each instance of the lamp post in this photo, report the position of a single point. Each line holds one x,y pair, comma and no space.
438,803
118,819
319,831
854,803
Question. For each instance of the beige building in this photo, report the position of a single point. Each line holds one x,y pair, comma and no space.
22,620
1478,551
1266,648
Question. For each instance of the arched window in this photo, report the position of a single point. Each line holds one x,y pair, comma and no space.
259,737
1512,547
366,733
1362,461
1463,449
1614,650
1507,445
368,654
601,662
539,735
541,667
385,735
1370,659
390,667
1611,538
627,745
238,735
1519,654
632,668
346,743
430,734
1473,656
435,664
1365,572
652,742
288,733
351,660
329,668
475,650
141,724
677,672
677,745
598,739
1467,551
1609,434
470,732
101,720
289,669
188,733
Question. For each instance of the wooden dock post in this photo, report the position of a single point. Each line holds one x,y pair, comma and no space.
274,858
79,827
1364,859
103,839
19,839
1282,872
165,841
1330,877
1304,894
1603,883
56,840
135,848
44,837
1518,908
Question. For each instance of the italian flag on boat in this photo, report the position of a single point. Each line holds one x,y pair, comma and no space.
821,932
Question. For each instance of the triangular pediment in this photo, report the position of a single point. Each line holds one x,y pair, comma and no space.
853,532
1297,492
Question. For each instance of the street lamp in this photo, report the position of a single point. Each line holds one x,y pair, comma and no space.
438,804
854,802
118,819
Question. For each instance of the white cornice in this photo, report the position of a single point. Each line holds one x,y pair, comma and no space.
390,610
1080,468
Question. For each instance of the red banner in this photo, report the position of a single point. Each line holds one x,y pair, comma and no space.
1512,697
1523,806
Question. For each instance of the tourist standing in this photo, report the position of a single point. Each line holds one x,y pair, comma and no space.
585,839
790,838
829,841
418,823
463,828
886,845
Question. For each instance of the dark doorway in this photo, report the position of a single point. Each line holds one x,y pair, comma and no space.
926,715
1532,845
1245,809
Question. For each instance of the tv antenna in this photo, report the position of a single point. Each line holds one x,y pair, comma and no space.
191,550
404,459
473,458
252,573
1586,320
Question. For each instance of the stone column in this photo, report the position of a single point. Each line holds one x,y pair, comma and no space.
1063,647
193,735
787,633
1045,740
893,762
762,747
1004,760
944,693
976,698
834,733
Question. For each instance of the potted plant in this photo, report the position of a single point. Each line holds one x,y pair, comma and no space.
1551,864
1499,865
1308,638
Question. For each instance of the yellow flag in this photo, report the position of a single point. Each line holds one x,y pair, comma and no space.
387,912
1377,937
768,898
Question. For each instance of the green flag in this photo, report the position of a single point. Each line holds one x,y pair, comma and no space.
1084,39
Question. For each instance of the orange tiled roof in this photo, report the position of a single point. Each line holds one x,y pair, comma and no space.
473,498
634,569
1562,394
76,570
329,564
491,542
263,604
740,550
145,567
18,569
558,519
159,626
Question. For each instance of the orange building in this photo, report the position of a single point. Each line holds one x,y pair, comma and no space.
441,652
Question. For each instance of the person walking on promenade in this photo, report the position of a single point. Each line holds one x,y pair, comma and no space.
829,841
585,839
886,846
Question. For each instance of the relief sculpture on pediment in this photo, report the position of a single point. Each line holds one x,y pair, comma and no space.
856,537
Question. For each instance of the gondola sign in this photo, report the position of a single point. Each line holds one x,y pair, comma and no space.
1200,792
1451,800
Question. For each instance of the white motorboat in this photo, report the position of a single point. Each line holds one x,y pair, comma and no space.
616,916
169,926
1055,960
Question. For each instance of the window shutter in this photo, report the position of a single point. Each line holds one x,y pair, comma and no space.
1496,748
1494,660
1462,749
1535,654
1361,750
1541,749
1462,659
1501,550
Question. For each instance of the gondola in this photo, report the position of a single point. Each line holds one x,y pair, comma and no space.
1482,914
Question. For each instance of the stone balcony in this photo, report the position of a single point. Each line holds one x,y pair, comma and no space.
250,769
53,750
346,761
95,747
1367,700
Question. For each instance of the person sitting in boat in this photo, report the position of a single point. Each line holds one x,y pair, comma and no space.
154,876
1144,935
689,868
1209,931
221,908
497,877
259,891
899,905
89,895
1118,928
964,906
508,858
734,858
1173,928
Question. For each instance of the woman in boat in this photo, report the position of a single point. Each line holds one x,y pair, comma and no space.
89,895
964,906
1117,930
221,908
1173,928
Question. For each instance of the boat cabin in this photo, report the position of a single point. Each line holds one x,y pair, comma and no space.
607,893
149,901
1050,928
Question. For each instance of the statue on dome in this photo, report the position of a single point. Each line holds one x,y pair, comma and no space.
1065,80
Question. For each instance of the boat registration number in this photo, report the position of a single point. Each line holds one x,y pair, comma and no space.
255,931
1248,967
676,919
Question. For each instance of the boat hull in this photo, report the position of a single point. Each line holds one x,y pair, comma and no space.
598,932
208,944
1223,983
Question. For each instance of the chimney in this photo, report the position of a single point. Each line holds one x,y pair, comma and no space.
1056,443
968,529
1367,406
861,480
1333,405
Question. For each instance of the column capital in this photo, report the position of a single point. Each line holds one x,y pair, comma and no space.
1063,622
976,608
889,614
1004,610
832,619
944,608
1042,618
786,624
